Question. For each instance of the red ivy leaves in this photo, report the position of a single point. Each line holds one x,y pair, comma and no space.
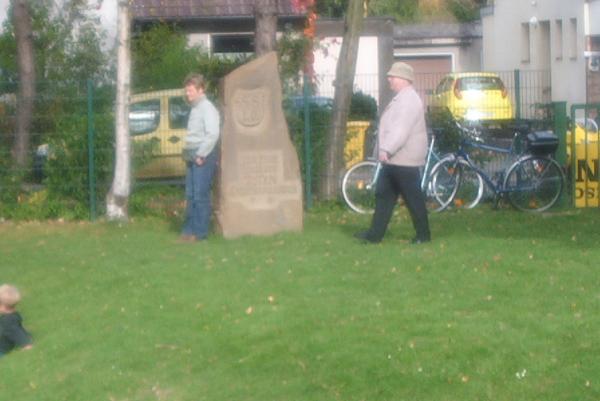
308,6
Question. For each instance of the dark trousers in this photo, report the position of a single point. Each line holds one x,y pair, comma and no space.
392,182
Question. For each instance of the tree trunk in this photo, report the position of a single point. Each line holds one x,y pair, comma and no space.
25,56
118,196
265,15
344,80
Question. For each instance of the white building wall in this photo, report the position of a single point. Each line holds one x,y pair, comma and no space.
593,17
469,58
367,66
505,33
199,39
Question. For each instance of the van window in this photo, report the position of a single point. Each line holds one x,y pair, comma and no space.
144,117
179,111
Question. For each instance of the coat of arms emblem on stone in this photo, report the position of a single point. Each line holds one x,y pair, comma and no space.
250,107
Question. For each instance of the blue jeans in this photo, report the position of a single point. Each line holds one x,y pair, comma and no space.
198,183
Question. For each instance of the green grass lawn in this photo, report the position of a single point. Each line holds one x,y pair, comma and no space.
501,305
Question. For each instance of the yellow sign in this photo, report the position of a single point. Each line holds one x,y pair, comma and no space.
354,150
582,136
586,175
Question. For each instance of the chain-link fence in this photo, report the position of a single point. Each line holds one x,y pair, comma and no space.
500,102
69,161
68,154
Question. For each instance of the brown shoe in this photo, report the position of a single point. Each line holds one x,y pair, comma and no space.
187,238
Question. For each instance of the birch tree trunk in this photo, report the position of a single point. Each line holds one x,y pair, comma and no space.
344,81
265,17
118,196
25,58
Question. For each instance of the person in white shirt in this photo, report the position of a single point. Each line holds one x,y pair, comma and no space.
200,154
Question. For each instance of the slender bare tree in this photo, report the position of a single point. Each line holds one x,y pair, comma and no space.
118,196
265,16
344,81
26,62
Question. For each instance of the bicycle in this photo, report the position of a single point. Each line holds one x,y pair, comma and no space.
359,182
533,182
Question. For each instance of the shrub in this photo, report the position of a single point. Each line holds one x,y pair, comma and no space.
464,10
320,122
162,59
441,121
363,107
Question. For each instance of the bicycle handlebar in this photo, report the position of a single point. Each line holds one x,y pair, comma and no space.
472,133
472,137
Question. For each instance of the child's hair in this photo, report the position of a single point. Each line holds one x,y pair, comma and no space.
9,295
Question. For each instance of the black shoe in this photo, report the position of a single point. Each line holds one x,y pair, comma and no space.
365,237
417,240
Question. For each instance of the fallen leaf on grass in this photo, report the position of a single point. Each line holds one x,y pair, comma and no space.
166,346
520,375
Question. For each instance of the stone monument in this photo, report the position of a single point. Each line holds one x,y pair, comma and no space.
259,190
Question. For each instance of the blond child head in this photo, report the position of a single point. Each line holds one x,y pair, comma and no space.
9,295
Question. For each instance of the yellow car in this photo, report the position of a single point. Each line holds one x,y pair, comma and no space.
473,96
157,125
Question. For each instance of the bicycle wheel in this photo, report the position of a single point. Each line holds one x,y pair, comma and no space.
455,184
442,184
470,188
358,187
534,183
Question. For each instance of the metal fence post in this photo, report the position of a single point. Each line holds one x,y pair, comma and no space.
573,164
91,150
517,94
307,144
560,129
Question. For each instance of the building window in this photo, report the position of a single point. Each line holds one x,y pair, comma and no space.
525,43
573,38
233,45
558,39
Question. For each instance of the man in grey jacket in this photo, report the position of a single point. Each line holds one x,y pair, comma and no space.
401,148
200,153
